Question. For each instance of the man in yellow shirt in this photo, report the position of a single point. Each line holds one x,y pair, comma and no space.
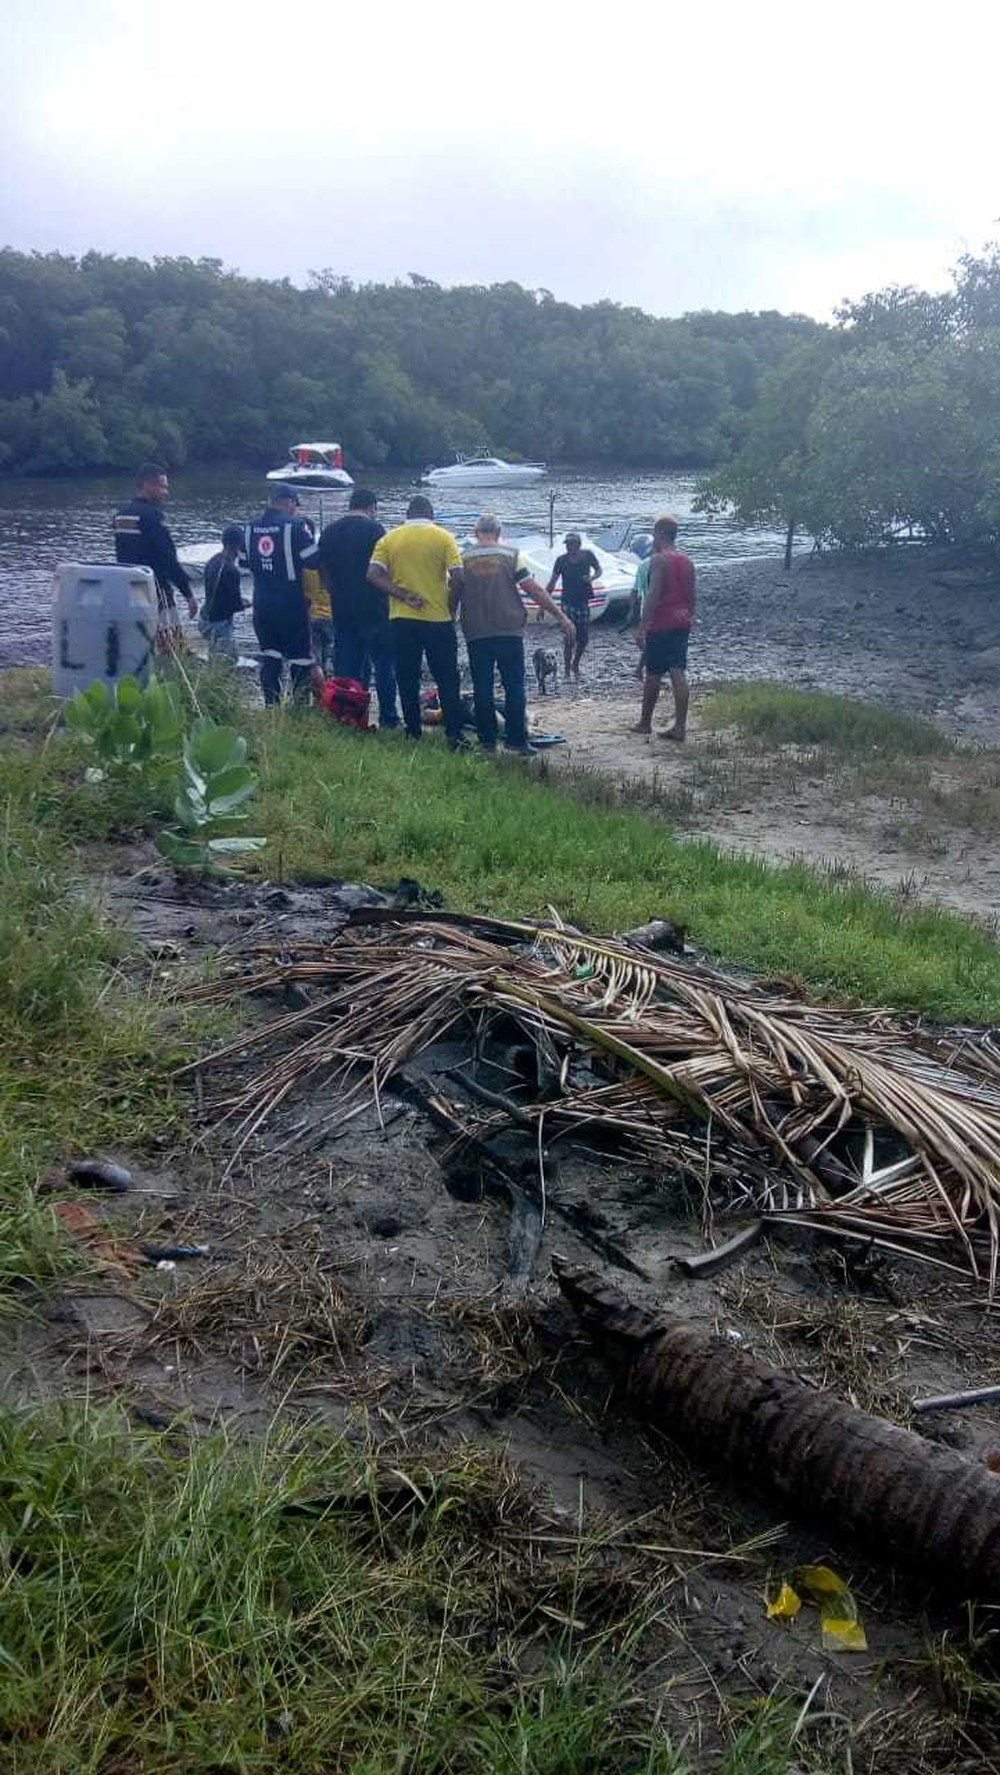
419,568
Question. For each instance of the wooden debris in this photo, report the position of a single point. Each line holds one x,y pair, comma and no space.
957,1401
920,1505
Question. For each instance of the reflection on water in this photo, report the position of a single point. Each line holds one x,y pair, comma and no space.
47,522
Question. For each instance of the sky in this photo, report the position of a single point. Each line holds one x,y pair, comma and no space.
768,155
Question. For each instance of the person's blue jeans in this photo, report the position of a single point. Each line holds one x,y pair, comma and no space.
219,635
488,655
360,652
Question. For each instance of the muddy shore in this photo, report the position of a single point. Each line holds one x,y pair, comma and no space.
879,627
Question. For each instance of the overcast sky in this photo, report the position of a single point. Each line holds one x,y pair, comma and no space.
728,155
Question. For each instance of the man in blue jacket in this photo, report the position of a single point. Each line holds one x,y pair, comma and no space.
143,540
278,545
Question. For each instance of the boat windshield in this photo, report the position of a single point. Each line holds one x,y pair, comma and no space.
315,456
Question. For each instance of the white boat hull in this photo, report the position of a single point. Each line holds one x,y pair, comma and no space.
294,476
511,474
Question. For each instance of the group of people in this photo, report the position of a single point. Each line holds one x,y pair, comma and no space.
368,603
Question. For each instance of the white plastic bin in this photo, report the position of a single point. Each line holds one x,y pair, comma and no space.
103,625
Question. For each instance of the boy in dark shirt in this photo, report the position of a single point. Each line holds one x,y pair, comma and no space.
578,569
223,595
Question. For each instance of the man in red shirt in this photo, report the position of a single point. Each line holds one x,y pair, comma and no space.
664,626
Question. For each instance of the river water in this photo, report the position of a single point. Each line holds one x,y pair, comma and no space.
45,522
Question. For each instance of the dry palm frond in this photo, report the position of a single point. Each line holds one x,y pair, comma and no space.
863,1122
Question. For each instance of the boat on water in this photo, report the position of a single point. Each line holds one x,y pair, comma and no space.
313,465
483,471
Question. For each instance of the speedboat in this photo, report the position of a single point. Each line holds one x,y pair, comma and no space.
313,465
483,471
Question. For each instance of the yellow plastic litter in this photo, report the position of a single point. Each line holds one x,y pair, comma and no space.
842,1636
838,1611
820,1580
785,1606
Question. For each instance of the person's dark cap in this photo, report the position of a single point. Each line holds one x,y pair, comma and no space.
572,536
232,537
286,492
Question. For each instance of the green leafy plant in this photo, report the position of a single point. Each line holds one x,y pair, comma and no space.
134,732
216,783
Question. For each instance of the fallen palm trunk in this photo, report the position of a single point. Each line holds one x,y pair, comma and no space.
922,1506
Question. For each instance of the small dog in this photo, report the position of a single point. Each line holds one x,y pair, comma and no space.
546,667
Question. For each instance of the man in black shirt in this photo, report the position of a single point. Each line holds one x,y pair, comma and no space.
223,595
361,642
578,568
143,540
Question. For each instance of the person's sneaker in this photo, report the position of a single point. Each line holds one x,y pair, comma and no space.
462,745
525,751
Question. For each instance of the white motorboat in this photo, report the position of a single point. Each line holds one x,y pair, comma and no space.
483,471
313,465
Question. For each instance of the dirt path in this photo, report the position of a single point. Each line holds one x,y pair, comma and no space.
762,803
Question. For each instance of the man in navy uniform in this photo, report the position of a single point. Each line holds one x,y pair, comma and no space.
278,545
143,540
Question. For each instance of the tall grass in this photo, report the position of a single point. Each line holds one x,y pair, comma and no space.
81,1063
260,1606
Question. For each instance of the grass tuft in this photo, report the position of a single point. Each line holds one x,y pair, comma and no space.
786,716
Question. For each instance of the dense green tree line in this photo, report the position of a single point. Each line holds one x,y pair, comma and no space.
887,425
105,360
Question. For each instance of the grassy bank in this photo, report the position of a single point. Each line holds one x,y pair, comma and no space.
516,841
495,839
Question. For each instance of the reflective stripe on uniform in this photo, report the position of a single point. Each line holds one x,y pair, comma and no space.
286,531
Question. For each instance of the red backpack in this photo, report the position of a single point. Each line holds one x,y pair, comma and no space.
347,700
